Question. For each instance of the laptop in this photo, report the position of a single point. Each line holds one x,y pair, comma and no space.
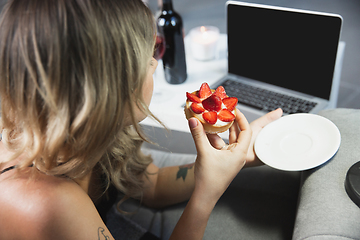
280,57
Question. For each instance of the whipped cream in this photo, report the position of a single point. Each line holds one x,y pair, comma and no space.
199,116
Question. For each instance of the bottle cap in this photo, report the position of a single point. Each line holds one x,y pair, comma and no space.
352,183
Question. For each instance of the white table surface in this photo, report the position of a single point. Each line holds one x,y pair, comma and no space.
168,99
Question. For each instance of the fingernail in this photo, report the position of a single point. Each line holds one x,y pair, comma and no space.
193,123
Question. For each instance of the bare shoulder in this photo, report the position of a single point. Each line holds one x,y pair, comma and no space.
47,207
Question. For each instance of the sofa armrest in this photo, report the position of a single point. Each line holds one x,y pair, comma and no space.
324,210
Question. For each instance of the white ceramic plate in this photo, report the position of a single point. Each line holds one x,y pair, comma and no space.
297,142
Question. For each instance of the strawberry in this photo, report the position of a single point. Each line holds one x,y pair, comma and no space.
226,116
210,117
212,103
192,97
220,91
230,103
197,108
204,91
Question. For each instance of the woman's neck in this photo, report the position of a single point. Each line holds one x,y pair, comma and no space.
92,184
84,182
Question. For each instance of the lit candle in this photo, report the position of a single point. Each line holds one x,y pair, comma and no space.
203,42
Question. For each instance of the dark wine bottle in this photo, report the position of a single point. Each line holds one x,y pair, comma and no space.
174,57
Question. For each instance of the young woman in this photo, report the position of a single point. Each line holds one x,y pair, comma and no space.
75,80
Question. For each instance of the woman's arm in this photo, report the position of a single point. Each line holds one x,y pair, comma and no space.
171,185
215,170
168,185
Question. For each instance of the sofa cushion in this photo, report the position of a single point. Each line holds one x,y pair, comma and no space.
325,211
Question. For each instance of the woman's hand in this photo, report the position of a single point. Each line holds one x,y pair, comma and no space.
256,126
214,168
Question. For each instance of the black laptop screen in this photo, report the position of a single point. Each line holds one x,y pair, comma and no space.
291,49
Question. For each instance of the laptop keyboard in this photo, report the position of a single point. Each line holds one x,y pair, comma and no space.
266,100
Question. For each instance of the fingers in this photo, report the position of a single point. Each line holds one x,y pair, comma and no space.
240,132
216,141
199,135
233,133
245,134
268,118
242,122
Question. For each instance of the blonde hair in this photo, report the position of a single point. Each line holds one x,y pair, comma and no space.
69,71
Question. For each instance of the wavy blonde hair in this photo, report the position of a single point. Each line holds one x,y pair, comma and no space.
69,71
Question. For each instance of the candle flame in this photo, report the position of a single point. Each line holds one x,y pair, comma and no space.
202,29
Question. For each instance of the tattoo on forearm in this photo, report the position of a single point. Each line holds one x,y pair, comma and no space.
183,170
101,235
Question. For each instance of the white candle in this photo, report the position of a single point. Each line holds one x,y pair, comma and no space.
203,42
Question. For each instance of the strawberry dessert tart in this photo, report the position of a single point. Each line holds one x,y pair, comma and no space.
214,109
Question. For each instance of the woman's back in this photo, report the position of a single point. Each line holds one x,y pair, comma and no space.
45,207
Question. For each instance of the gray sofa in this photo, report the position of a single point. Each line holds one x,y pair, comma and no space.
325,211
264,203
